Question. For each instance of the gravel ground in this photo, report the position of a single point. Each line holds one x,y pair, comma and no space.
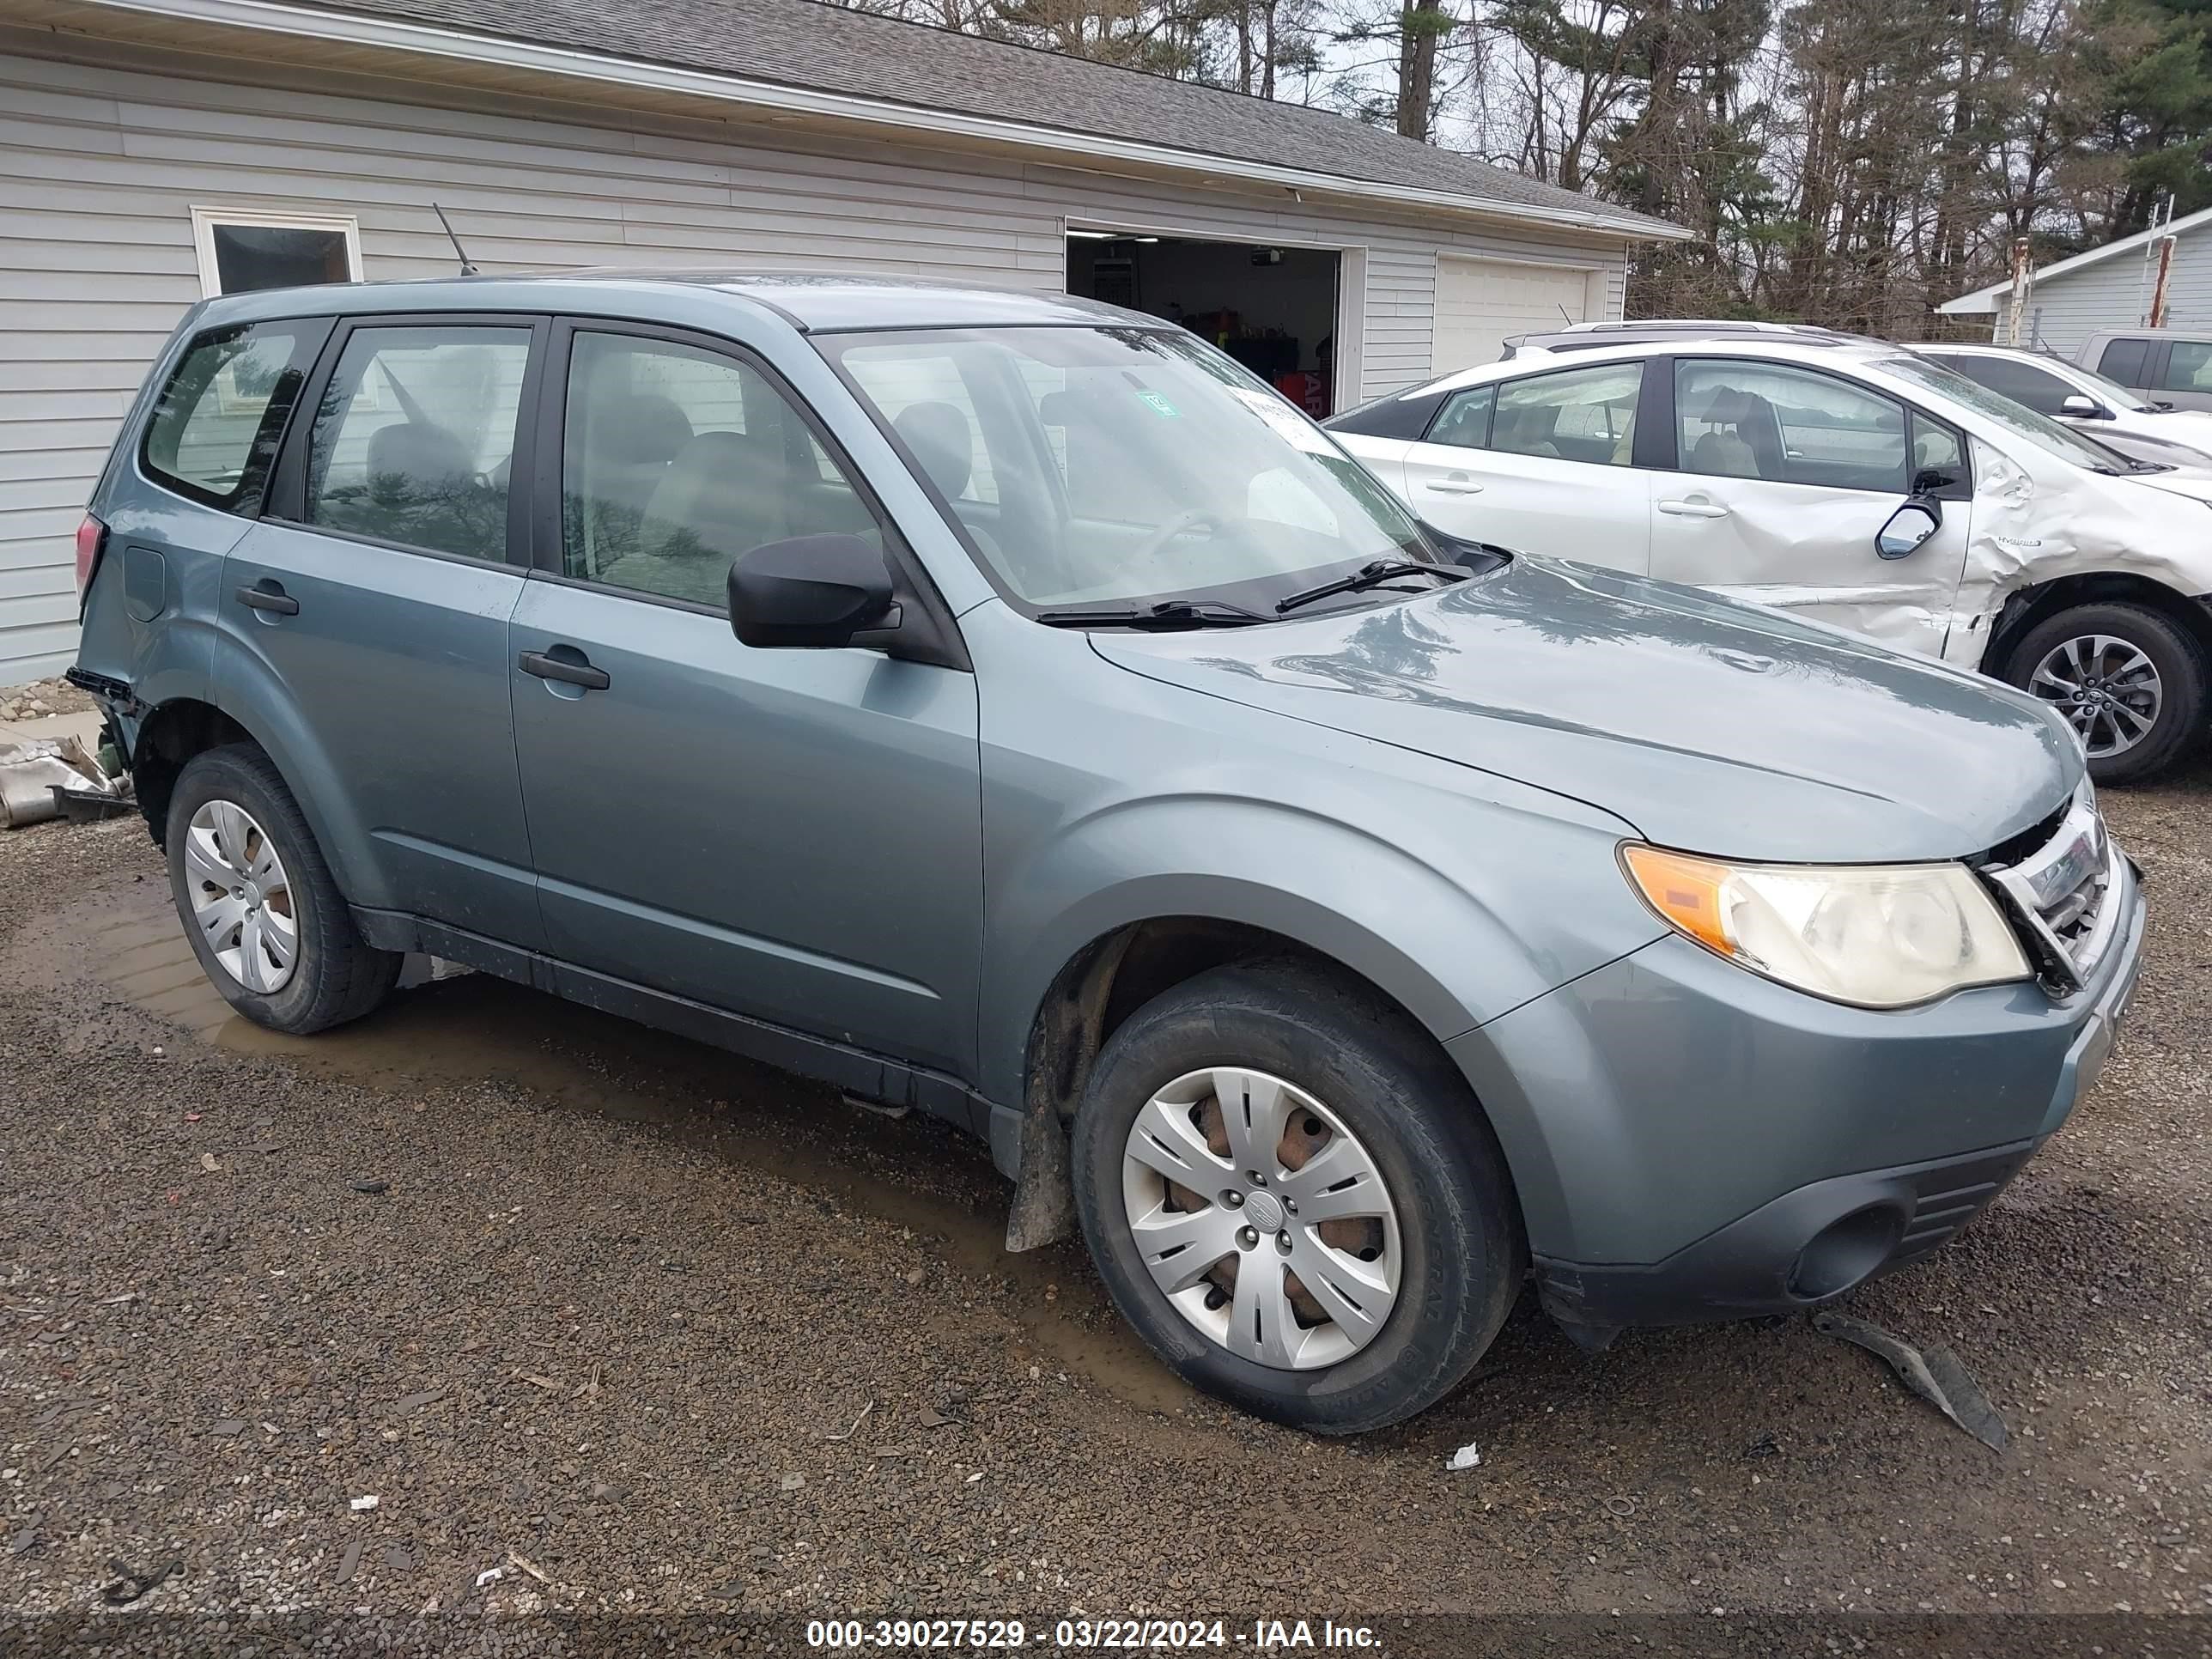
651,1329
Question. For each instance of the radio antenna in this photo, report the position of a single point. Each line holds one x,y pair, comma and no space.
468,267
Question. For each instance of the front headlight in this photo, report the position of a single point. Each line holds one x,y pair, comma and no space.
1878,936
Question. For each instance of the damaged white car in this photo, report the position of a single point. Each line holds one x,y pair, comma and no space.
1857,485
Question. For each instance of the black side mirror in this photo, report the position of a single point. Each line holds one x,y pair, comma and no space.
812,590
1910,525
2083,407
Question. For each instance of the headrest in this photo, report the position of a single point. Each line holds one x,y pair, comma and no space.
939,435
633,429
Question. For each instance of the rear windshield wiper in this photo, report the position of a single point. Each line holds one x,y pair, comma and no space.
1169,613
1370,575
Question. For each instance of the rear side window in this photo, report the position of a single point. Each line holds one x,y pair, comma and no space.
1584,415
216,427
413,437
2188,367
1465,421
2124,360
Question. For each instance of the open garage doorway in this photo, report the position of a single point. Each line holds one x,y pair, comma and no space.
1272,308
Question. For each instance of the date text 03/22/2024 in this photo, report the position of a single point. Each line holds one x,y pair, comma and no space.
1105,1635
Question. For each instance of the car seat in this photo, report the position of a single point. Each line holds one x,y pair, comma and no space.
724,495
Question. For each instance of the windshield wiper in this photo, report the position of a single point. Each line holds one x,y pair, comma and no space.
1169,613
1370,575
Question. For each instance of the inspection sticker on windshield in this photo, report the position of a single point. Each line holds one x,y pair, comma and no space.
1160,405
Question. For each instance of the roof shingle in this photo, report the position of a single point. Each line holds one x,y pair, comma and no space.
822,47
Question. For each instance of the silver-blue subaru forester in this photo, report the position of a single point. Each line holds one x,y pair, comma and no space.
1003,704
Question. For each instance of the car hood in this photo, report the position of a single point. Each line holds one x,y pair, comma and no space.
2194,482
1709,725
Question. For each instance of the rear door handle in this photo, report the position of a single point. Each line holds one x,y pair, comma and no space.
269,596
1695,509
560,668
1457,483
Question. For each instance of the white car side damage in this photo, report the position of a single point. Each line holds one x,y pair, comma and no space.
2036,519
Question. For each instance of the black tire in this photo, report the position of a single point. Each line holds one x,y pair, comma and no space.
337,975
1462,1257
2171,651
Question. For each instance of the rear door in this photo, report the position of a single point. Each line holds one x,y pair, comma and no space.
1540,464
363,620
1784,476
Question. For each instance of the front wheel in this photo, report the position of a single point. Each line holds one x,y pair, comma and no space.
1291,1194
2130,680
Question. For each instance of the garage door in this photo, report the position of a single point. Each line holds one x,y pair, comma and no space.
1481,301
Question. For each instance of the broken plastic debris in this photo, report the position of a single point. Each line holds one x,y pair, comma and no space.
1934,1374
1466,1457
368,1502
491,1576
31,772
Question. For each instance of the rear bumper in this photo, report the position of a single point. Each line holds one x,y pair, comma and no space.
1776,1151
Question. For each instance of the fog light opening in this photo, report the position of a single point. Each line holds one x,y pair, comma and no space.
1844,1252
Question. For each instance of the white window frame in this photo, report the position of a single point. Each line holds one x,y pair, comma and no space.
205,219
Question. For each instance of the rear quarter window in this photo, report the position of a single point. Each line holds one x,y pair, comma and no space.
216,427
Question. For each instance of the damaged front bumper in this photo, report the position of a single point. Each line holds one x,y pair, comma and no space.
1672,1098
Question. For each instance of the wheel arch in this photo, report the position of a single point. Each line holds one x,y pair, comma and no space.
2029,607
1112,976
174,732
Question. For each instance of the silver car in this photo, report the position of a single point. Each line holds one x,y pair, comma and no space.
1853,483
2099,407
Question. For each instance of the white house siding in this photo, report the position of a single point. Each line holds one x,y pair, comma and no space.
101,162
2115,293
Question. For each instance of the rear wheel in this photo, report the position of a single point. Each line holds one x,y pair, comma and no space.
2130,680
258,902
1293,1196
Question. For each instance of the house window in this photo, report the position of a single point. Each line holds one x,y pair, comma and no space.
241,251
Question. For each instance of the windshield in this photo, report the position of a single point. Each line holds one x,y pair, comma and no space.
1124,467
2061,440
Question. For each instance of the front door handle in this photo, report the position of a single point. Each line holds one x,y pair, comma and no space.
269,596
1455,483
1695,509
567,672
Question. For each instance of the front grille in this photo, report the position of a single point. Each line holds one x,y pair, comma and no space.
2060,891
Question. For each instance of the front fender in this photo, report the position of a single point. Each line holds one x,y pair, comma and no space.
1459,894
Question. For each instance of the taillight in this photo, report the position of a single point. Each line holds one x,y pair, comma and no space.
89,536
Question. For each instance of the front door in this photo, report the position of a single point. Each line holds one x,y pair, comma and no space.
794,835
1786,477
1540,464
370,605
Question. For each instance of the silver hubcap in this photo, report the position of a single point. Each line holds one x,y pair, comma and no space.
2106,687
1261,1217
241,898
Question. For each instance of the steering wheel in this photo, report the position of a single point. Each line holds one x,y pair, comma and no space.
1157,541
